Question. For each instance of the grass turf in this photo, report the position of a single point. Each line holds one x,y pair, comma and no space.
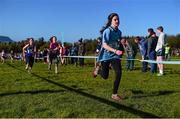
74,93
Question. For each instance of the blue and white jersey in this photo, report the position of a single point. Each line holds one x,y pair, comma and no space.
112,38
30,50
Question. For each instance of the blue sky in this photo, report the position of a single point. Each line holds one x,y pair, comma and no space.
73,19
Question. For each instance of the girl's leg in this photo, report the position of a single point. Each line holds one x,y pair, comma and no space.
27,62
49,65
116,63
56,68
31,62
2,58
96,69
104,72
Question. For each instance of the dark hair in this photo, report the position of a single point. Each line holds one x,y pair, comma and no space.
160,28
138,38
28,39
80,40
99,38
151,32
110,17
52,38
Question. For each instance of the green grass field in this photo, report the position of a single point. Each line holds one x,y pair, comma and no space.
74,93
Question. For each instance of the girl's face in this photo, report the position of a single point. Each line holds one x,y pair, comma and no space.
30,41
53,39
115,21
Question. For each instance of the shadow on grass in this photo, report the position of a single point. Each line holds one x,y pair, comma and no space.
153,94
101,100
175,72
31,92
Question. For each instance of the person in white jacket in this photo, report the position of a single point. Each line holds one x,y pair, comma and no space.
160,51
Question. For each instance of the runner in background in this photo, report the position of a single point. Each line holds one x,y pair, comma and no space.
96,63
62,53
11,56
54,51
3,56
29,51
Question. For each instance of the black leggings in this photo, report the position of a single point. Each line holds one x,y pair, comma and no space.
116,63
30,60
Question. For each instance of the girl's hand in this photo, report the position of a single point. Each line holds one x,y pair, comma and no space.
119,52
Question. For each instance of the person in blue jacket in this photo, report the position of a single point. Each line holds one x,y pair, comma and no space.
142,44
110,53
152,42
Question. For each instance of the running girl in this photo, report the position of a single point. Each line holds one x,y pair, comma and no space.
54,52
29,51
110,53
3,56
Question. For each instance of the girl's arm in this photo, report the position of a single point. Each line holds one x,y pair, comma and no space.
50,45
24,49
106,37
107,47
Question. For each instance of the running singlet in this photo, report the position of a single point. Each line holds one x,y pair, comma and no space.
30,50
53,50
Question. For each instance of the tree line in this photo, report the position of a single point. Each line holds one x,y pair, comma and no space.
90,44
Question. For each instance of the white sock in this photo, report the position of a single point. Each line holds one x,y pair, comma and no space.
161,71
114,94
